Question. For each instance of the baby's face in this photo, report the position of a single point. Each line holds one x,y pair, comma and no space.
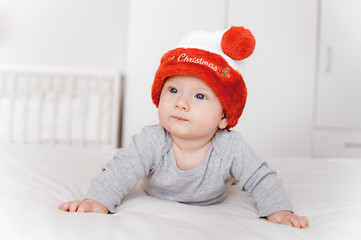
189,108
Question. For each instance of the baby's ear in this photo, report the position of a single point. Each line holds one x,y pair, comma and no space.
223,123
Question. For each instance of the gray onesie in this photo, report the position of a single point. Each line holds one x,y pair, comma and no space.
150,156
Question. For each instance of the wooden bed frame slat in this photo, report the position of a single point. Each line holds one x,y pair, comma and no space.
55,120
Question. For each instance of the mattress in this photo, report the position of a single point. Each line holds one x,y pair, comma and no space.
35,179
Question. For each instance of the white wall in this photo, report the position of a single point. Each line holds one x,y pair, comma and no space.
70,33
132,35
280,75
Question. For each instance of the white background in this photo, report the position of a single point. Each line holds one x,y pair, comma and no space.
132,35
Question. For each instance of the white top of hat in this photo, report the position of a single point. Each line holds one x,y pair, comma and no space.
210,41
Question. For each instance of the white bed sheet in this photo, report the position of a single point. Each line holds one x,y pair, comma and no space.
34,180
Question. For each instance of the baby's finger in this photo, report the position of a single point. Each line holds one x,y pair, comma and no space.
285,221
82,208
64,206
74,206
304,222
296,221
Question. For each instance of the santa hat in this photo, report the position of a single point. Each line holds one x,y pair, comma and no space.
218,59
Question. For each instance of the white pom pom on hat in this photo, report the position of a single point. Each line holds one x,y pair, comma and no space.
218,59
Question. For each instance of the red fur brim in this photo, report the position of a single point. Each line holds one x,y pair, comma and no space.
227,83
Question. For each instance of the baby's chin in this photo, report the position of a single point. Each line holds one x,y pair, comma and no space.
180,131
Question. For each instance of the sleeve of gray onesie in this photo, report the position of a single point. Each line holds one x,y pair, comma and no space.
128,166
253,175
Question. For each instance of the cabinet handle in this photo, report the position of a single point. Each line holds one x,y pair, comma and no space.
329,59
352,145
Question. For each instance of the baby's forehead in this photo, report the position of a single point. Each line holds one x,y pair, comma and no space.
186,79
182,77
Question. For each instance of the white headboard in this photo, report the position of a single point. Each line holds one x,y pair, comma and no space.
60,106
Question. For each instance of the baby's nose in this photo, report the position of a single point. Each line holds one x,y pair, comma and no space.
182,104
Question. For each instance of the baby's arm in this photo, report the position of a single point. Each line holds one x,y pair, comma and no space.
87,205
288,218
120,175
253,175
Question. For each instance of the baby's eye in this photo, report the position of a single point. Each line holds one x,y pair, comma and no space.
173,90
200,96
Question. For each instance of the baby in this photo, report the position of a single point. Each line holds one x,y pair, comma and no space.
192,156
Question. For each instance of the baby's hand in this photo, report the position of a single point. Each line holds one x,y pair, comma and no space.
87,205
288,218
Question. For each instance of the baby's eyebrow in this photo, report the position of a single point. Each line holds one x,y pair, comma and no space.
204,91
169,84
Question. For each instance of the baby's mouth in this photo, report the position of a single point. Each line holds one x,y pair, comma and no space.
179,118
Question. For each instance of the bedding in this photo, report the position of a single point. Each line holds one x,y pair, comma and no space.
35,179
